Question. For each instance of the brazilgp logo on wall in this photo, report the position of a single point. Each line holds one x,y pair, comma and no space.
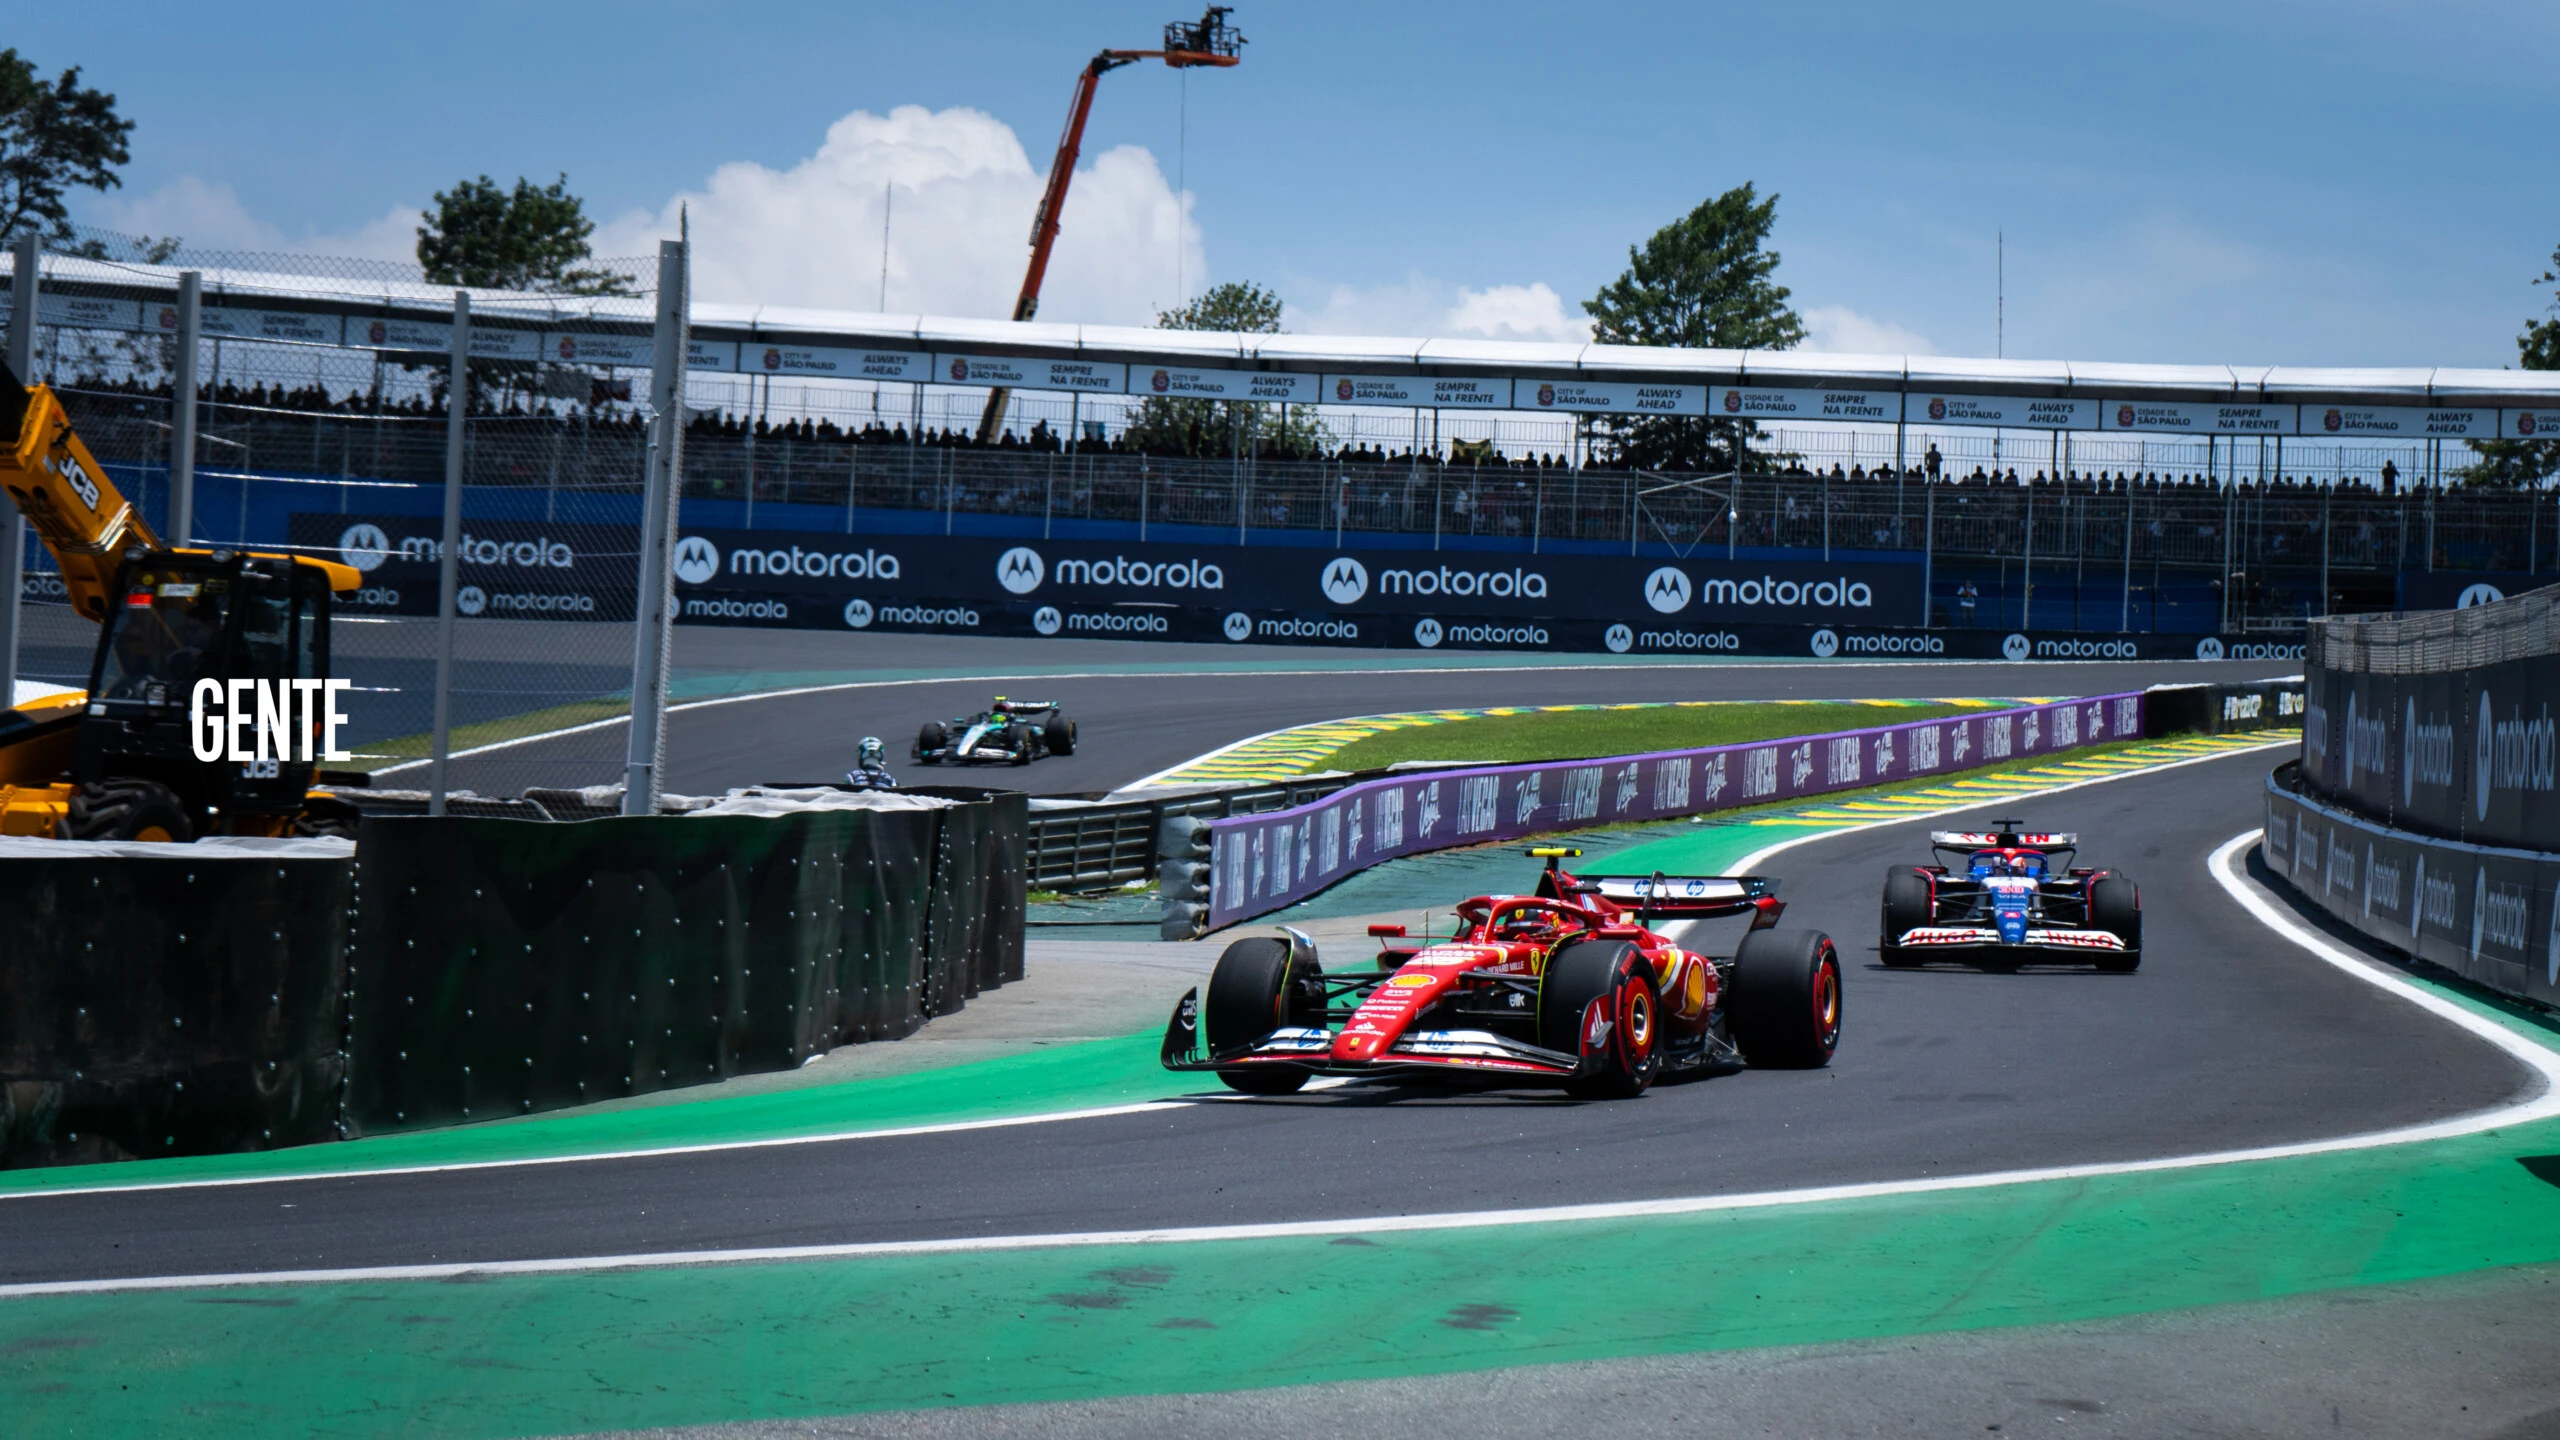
1825,644
2016,647
1345,580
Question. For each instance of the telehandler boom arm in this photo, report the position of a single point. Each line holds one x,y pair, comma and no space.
77,511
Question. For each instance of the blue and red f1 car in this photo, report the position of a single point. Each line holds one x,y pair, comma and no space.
2010,897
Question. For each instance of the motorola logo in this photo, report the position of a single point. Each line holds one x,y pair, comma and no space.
2208,648
1345,580
1619,638
1825,644
1426,632
2016,647
364,545
2471,595
696,560
1046,619
1021,570
471,600
1239,625
857,613
1667,589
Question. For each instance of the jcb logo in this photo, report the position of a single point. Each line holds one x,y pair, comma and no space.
81,485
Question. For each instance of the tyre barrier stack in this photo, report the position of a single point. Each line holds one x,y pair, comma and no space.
242,995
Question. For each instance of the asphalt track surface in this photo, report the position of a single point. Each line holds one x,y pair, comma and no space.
2225,1039
1133,720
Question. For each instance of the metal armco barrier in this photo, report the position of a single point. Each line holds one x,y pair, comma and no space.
170,999
2441,725
1088,847
1263,862
190,999
2486,913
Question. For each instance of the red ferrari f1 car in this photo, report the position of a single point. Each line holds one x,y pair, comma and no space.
1567,986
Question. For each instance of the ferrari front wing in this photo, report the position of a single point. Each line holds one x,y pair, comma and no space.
1310,1048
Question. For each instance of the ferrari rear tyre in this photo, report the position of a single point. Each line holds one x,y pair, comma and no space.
1785,1003
1909,903
1254,990
1060,736
127,809
2115,906
1626,1027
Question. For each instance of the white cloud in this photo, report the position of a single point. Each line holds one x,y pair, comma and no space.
959,225
210,216
1425,307
1839,328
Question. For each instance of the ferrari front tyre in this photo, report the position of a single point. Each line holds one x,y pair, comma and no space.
1255,989
1600,994
1910,902
1784,999
1059,735
127,809
2115,906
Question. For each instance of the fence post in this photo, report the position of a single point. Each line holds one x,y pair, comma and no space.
1928,547
2124,612
457,419
183,398
653,599
25,276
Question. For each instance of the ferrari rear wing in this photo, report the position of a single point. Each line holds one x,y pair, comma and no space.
1686,897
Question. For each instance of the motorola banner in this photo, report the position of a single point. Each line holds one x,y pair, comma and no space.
509,569
2487,914
1342,584
2468,755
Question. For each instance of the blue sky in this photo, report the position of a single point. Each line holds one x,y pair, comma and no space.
2340,183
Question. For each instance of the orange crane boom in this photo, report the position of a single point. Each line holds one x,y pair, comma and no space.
1211,42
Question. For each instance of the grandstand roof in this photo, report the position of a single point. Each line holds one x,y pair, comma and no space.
1790,370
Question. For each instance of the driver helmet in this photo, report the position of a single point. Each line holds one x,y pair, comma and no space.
872,753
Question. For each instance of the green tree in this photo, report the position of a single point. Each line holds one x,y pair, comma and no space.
2508,464
53,137
1180,426
1704,281
531,239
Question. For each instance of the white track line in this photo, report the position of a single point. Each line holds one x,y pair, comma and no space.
1097,1113
948,1127
2542,1104
833,687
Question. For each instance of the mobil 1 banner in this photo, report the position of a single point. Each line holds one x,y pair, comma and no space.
1262,862
508,569
1470,587
2489,914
